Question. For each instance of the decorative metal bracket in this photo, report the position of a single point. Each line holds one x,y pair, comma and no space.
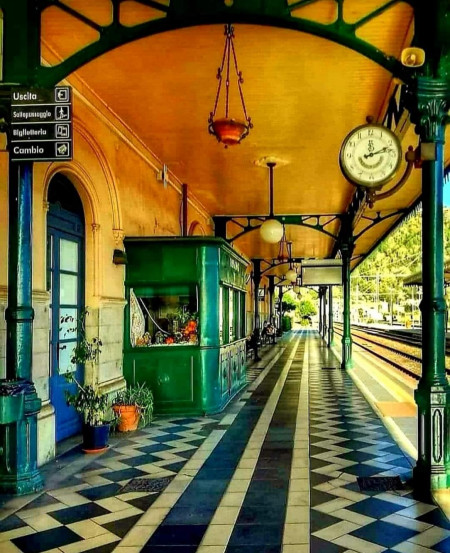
248,223
410,157
378,218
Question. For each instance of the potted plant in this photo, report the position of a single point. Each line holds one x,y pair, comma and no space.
133,405
93,407
87,399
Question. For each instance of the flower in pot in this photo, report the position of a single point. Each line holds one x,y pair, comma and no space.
93,406
133,405
87,400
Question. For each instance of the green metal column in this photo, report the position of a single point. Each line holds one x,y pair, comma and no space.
330,317
324,313
220,227
320,311
346,251
280,314
271,279
256,283
432,470
19,403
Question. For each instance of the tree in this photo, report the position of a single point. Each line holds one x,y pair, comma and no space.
289,303
379,278
307,308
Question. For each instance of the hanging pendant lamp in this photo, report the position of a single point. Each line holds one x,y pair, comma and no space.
292,273
297,288
227,130
283,251
271,230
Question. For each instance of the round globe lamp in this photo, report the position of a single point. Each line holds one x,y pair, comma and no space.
271,231
291,275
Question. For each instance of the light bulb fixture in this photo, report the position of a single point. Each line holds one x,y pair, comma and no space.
291,275
297,285
271,231
227,130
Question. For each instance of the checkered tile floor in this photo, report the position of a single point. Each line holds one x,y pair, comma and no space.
98,510
239,482
348,440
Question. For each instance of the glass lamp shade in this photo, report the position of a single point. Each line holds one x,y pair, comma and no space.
271,231
297,289
229,131
291,275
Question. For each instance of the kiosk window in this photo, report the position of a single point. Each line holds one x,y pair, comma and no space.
232,319
221,315
242,313
164,317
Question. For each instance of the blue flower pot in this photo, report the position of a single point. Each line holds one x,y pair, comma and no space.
95,438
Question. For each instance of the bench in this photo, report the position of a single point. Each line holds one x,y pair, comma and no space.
268,338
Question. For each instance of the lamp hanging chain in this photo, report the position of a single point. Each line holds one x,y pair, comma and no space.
290,255
219,76
283,246
229,33
227,130
240,81
271,165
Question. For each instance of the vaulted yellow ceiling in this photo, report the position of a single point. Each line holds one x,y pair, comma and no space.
303,93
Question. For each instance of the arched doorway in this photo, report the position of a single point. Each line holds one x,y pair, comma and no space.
65,281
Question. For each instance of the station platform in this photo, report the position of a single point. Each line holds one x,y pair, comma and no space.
276,472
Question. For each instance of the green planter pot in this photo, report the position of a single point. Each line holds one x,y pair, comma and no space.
11,408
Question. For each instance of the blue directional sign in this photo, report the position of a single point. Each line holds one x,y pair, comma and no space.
41,124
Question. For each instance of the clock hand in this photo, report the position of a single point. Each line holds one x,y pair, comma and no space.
371,154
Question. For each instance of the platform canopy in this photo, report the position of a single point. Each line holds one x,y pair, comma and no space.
303,92
416,278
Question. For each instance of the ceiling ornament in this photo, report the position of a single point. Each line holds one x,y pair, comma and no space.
227,130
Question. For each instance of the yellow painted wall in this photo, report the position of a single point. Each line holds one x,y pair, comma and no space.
116,178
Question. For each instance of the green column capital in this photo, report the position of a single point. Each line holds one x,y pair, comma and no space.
430,112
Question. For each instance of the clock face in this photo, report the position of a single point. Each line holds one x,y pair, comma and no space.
370,155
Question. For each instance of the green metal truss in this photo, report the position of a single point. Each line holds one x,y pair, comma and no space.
403,214
378,218
252,222
23,30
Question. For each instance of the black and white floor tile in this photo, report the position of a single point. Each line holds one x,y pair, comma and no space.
262,477
348,441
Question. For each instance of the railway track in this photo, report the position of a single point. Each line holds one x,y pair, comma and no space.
399,350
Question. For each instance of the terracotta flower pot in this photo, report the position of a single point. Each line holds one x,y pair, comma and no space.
129,417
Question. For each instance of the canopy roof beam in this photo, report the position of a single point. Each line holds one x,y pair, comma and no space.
23,31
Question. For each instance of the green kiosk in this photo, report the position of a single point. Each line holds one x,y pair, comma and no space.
185,322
